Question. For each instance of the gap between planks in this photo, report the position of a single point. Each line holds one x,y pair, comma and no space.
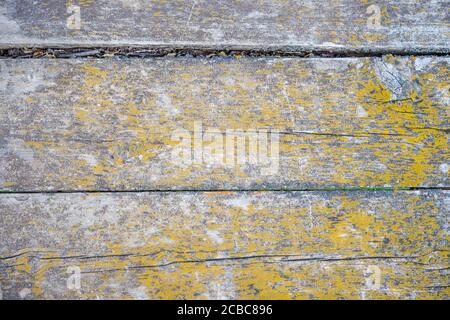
153,52
356,189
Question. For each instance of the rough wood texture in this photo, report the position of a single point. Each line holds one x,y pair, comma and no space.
337,25
90,128
109,124
226,244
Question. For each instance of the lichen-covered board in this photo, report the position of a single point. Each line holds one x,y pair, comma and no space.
337,25
244,245
115,124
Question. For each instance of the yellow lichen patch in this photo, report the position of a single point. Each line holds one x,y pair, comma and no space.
8,184
420,143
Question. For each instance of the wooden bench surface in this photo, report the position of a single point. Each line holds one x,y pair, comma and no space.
227,175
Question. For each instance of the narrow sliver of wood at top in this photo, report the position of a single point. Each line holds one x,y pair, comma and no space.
333,25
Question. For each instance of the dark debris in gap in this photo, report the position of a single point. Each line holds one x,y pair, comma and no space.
152,52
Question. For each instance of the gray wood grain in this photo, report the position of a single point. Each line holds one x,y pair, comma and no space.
335,25
223,245
110,124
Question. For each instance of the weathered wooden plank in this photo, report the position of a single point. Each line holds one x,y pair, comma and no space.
116,124
337,25
366,244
